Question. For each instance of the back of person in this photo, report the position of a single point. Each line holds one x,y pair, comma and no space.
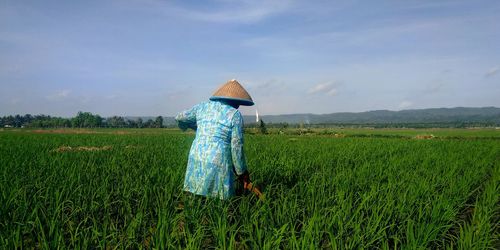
214,122
216,156
212,144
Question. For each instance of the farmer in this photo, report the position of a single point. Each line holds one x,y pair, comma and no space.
216,159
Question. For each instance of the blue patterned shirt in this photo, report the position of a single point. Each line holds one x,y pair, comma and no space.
216,154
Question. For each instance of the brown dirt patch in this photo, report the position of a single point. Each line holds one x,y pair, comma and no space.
81,148
424,137
64,131
120,132
77,131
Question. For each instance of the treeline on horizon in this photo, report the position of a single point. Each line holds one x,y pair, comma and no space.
81,120
89,120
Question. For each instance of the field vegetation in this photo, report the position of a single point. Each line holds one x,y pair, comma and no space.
112,189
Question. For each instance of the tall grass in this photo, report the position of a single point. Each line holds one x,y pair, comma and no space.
320,193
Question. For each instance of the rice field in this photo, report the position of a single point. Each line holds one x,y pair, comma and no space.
118,189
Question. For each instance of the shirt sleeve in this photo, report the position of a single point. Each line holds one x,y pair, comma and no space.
240,165
187,118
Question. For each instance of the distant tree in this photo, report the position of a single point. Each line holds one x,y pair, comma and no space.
96,121
148,124
140,123
263,129
9,121
116,122
18,121
86,120
131,123
158,123
77,122
27,119
61,122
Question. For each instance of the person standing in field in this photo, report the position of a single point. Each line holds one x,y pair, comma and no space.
216,159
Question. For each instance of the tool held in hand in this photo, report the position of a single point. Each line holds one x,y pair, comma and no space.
248,185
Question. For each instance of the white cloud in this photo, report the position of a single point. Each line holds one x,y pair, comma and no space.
62,94
493,71
327,88
405,104
332,92
266,87
230,11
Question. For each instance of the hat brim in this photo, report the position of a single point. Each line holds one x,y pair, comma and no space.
243,102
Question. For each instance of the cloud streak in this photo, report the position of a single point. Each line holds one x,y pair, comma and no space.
230,11
159,57
60,95
493,71
327,88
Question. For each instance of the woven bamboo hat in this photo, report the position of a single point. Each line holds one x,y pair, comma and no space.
232,90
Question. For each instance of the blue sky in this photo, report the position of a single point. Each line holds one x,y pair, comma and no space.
152,57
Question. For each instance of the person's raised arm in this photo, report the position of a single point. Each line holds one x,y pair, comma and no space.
187,118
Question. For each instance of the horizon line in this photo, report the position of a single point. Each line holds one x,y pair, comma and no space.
283,114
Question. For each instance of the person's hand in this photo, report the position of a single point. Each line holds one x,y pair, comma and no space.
245,177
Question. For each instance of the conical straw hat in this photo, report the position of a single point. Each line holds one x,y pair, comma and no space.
232,90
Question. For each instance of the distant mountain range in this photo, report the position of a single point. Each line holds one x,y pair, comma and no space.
433,115
490,115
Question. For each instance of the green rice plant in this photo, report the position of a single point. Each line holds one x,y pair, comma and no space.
482,230
124,190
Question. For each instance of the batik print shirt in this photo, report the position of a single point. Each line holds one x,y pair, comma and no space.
216,155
